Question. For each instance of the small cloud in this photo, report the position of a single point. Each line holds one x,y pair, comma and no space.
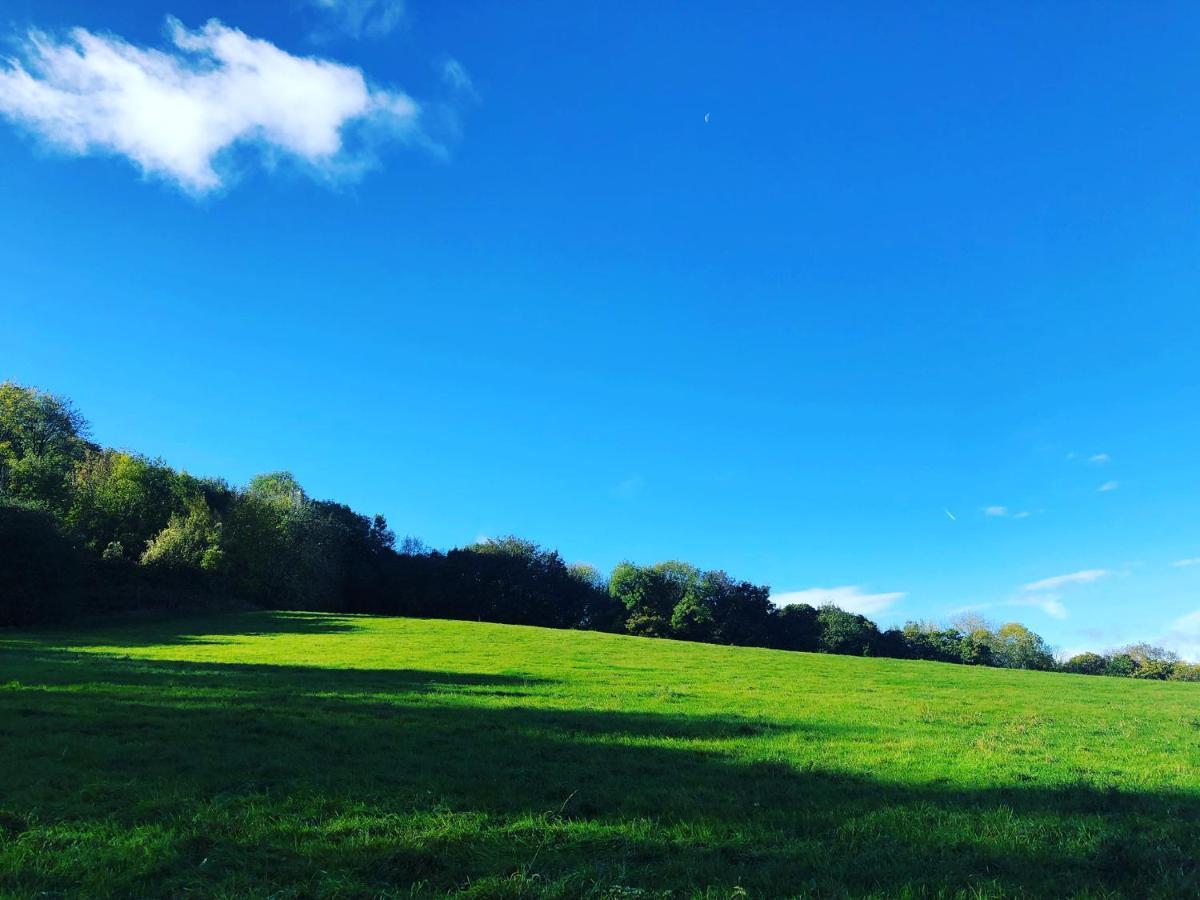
995,511
456,77
363,18
850,598
1108,486
1023,514
1050,604
178,113
950,515
1099,459
1183,636
1083,577
1183,563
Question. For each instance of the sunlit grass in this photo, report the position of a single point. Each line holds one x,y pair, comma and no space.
298,755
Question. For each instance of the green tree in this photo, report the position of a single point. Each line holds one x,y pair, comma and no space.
126,499
1019,648
1151,662
1086,664
189,541
42,437
796,627
846,632
651,593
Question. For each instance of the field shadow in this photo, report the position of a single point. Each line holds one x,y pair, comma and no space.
389,778
141,629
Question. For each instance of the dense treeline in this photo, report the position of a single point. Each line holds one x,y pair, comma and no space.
87,530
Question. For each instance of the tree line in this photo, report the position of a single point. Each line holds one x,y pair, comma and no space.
87,530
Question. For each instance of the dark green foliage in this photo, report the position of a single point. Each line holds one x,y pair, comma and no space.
1086,664
40,570
1120,665
796,627
845,632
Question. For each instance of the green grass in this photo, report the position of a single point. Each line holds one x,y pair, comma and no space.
298,755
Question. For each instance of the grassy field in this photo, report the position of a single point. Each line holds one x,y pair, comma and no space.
298,755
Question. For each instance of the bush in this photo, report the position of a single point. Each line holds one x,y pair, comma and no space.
1086,664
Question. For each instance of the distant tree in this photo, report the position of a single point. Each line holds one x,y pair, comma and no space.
120,497
845,632
189,540
975,649
601,611
1186,672
892,644
1121,665
1019,648
932,642
1086,664
1151,662
796,627
42,437
651,593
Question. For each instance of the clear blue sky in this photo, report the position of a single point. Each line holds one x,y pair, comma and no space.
917,263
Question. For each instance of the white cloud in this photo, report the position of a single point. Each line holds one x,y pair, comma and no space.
454,75
1003,512
850,598
178,113
1099,458
1183,636
364,18
1050,604
1108,486
1048,584
1181,563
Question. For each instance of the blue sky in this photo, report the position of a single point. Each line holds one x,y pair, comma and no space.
774,288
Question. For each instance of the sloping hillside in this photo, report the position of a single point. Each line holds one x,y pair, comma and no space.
307,755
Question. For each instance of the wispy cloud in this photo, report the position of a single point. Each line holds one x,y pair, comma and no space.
1108,486
1182,563
1044,593
1050,604
177,113
363,18
457,78
1003,512
1183,636
849,597
1099,459
949,515
1085,576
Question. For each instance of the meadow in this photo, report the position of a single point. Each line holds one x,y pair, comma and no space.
306,755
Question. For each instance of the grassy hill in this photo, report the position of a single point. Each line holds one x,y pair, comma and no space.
301,755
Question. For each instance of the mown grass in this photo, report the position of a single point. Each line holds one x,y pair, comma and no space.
300,755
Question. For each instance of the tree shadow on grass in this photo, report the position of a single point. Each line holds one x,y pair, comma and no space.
301,780
151,629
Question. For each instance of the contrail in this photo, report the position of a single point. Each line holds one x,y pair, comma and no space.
950,515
